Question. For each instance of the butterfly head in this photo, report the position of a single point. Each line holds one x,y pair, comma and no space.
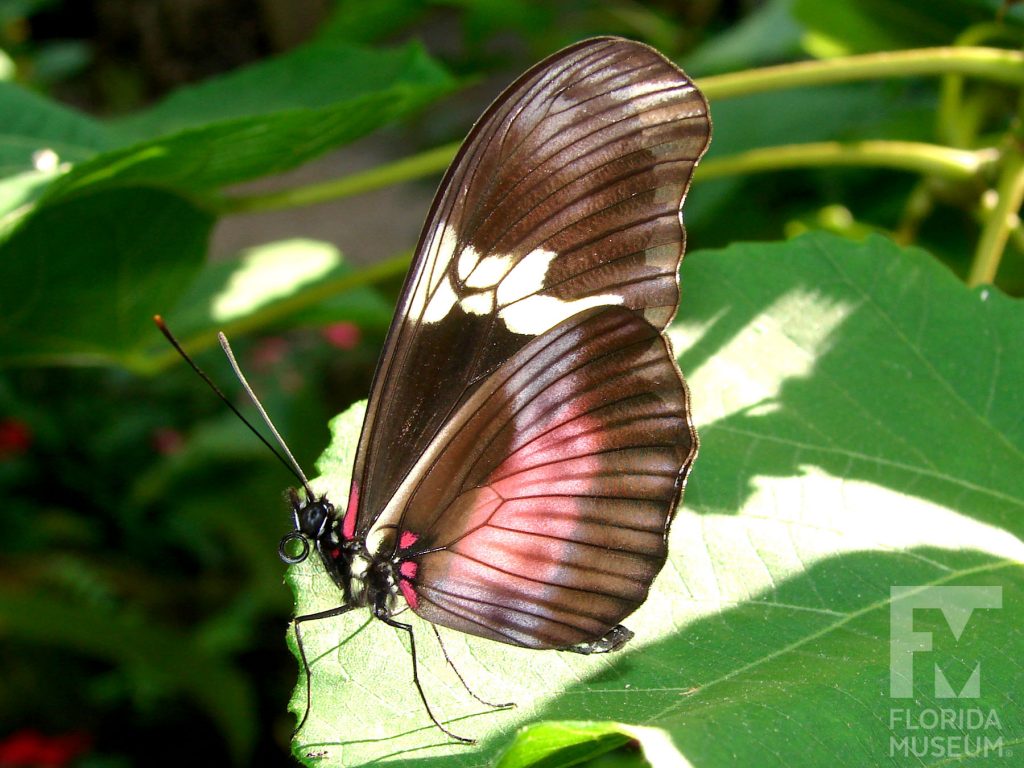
313,518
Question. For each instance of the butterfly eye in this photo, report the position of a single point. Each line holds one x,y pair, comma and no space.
287,552
312,518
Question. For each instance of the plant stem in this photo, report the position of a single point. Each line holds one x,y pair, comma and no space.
926,159
408,168
997,64
991,63
1000,221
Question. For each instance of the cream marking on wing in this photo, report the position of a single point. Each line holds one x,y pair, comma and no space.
524,310
479,303
439,253
468,259
492,282
489,271
441,302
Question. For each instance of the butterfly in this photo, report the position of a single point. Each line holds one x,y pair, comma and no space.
528,433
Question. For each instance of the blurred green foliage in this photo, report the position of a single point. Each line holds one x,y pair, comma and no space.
141,600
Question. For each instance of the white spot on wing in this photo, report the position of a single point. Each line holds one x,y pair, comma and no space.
478,303
467,260
524,311
441,302
514,289
526,277
424,300
538,314
489,271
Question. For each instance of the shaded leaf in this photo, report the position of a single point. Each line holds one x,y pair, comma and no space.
80,280
163,657
862,26
264,119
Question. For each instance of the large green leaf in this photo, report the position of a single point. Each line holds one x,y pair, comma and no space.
32,122
80,280
90,254
861,423
264,119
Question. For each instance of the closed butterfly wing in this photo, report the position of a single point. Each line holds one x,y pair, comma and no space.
565,197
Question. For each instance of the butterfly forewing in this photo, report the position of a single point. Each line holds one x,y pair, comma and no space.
565,196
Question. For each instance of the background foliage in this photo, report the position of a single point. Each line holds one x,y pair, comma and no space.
848,329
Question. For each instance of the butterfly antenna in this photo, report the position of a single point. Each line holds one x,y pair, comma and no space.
291,464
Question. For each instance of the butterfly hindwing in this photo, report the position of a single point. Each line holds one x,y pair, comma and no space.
564,197
540,517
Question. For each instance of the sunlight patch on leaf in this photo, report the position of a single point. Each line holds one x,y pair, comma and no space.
791,524
273,271
773,347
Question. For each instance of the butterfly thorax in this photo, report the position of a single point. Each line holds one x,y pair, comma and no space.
365,578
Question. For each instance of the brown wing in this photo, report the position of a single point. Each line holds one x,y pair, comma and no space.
566,195
539,517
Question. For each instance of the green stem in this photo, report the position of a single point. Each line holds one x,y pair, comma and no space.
991,63
393,267
408,168
918,157
997,64
1000,221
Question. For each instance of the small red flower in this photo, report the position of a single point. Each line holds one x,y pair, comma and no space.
15,437
269,352
31,749
343,335
167,440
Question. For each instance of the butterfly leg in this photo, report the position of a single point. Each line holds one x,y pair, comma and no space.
459,675
381,612
328,614
617,637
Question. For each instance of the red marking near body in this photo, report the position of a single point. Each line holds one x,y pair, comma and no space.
409,593
348,525
407,540
408,569
336,553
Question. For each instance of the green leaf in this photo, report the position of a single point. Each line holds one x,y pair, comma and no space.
861,423
264,119
767,35
275,280
32,123
862,26
317,75
574,743
92,253
362,22
81,280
